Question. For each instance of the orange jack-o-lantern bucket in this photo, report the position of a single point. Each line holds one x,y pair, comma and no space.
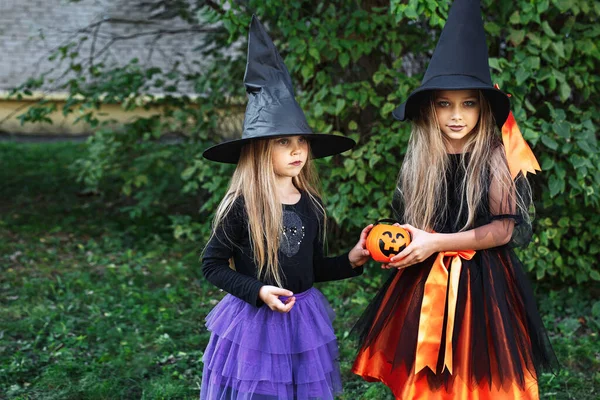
385,241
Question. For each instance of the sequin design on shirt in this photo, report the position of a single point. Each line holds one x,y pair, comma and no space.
292,235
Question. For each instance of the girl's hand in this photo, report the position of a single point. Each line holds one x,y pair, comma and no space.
359,253
270,296
422,246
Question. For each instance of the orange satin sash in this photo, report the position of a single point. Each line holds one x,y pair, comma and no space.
439,289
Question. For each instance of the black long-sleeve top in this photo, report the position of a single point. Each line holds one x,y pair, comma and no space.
301,256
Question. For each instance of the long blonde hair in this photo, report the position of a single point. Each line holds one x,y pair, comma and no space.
254,181
423,182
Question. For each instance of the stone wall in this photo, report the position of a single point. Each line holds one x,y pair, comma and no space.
30,30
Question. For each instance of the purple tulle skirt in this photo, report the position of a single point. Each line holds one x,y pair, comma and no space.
259,354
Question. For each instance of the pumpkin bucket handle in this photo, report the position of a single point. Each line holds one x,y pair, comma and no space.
389,220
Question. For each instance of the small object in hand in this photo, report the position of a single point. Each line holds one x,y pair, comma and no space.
385,241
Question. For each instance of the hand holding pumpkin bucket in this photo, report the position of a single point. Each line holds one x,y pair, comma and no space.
385,241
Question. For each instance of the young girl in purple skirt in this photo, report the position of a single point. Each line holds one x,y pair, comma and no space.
271,336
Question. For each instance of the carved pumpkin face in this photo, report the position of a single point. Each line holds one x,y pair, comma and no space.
385,241
391,243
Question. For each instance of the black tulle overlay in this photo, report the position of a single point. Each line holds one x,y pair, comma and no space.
499,345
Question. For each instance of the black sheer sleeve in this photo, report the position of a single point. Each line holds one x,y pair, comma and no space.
510,199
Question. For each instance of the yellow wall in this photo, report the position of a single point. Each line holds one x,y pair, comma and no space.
11,108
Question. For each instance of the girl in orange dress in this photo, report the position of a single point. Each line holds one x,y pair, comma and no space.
457,319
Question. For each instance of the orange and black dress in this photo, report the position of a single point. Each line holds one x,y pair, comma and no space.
459,325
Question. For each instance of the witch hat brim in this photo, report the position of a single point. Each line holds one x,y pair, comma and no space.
499,101
459,62
272,109
321,145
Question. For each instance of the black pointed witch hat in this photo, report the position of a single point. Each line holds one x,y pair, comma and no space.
272,110
460,61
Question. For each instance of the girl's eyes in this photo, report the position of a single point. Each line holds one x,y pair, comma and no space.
468,103
286,141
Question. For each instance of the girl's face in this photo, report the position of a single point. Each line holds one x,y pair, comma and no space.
457,113
289,154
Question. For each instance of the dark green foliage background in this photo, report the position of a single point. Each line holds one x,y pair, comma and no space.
349,63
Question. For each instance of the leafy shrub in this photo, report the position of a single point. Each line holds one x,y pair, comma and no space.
352,63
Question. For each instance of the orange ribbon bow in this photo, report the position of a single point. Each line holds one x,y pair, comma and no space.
519,156
431,322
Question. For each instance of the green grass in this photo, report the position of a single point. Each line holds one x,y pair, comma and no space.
96,307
